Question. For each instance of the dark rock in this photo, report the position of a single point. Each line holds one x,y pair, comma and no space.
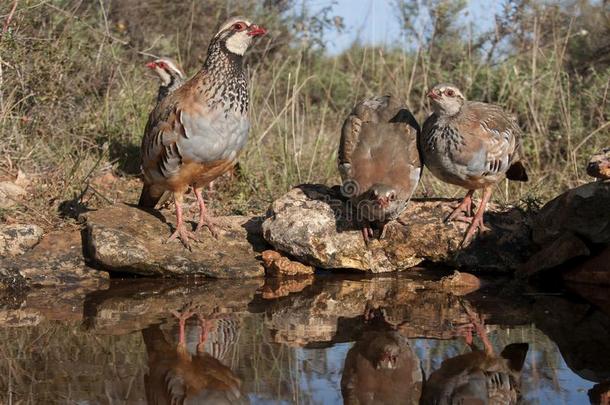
311,224
58,261
129,240
571,225
16,239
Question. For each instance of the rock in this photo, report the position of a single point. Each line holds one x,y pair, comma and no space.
573,224
596,270
126,239
310,223
10,192
599,165
16,239
277,265
58,261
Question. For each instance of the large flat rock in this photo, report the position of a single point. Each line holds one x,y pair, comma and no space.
127,239
311,224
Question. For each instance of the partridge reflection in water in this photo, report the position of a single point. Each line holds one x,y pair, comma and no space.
381,367
177,376
480,377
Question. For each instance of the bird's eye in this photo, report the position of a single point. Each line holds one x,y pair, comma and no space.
240,26
161,65
392,197
450,93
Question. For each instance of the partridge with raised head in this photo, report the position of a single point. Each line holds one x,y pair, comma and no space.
470,144
196,133
172,77
378,161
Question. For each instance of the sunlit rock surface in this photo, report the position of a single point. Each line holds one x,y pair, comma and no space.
130,240
16,239
311,224
57,261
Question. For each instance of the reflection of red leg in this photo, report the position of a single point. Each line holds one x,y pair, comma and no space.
182,318
478,326
477,221
464,210
205,325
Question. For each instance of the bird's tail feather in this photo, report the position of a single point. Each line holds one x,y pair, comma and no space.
147,200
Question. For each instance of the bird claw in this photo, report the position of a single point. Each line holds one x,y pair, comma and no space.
476,224
184,236
367,234
212,225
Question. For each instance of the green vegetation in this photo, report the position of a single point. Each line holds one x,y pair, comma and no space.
74,93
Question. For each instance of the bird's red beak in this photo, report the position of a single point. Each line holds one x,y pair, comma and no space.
256,31
433,95
151,65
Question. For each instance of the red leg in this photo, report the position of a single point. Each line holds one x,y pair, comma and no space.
464,210
478,326
180,231
204,218
367,233
477,221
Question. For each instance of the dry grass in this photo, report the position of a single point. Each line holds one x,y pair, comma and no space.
74,95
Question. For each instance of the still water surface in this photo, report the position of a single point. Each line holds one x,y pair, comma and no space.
289,342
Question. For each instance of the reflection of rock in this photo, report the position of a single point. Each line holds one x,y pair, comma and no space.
581,333
131,306
381,368
571,225
58,261
16,239
127,239
595,270
280,287
277,265
322,312
478,378
311,224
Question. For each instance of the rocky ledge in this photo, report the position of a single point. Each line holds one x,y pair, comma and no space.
126,239
312,225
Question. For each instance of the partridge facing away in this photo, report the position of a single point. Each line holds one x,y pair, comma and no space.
172,77
378,161
381,367
177,376
196,133
478,377
470,144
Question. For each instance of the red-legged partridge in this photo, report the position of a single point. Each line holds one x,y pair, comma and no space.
196,133
378,161
470,144
172,77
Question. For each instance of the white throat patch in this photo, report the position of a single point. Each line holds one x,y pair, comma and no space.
238,43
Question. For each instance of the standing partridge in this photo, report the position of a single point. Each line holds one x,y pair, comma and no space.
172,77
196,133
378,161
470,144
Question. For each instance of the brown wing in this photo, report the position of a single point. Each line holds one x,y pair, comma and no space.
490,140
